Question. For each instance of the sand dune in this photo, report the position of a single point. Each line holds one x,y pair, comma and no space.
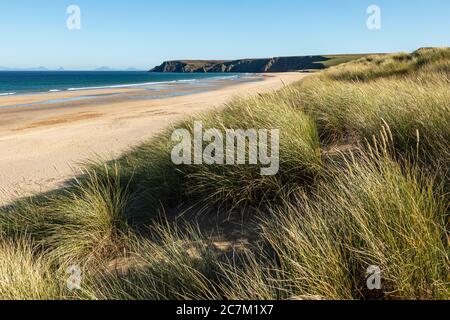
41,147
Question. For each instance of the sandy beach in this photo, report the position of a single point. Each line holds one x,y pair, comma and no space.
41,146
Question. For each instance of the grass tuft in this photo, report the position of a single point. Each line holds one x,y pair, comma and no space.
363,181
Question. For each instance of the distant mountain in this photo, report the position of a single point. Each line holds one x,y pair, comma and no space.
278,64
104,69
63,69
38,69
24,69
114,69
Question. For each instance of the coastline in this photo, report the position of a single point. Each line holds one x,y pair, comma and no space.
42,146
18,99
13,83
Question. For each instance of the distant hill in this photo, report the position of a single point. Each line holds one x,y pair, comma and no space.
114,69
104,69
23,69
278,64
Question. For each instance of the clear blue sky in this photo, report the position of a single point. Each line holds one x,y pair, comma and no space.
143,33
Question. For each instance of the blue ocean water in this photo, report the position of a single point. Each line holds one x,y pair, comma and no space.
19,82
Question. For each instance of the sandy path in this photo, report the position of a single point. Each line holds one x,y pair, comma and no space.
40,149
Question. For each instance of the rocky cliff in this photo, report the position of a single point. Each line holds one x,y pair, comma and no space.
280,64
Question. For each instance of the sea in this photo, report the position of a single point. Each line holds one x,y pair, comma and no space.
23,82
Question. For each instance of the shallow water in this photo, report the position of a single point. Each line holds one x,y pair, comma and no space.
140,92
20,82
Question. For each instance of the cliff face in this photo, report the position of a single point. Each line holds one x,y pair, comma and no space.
281,64
187,66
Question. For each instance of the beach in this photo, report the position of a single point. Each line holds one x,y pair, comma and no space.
44,138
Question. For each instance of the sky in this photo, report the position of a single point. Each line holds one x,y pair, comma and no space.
143,33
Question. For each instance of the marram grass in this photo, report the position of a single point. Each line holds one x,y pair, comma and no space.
363,181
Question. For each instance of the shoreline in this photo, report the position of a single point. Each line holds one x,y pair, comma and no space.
18,98
42,147
132,85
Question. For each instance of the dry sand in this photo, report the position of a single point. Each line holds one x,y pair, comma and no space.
41,147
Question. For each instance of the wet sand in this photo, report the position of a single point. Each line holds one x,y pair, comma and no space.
45,137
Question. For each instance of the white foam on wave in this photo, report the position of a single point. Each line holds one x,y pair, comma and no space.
233,77
120,86
153,83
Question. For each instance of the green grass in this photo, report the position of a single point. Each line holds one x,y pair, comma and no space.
334,60
416,109
25,276
156,180
363,180
300,154
76,225
173,265
375,214
385,66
